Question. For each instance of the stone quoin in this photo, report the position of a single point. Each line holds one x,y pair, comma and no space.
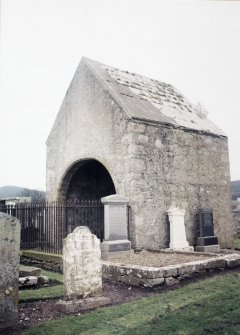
121,133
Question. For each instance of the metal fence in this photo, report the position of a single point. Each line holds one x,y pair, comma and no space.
236,216
45,225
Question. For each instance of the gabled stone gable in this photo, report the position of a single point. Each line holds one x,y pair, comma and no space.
152,158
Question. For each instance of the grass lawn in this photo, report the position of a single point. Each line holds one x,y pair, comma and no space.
44,292
237,243
210,306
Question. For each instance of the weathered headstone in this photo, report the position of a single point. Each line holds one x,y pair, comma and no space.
82,269
207,242
9,269
178,240
115,225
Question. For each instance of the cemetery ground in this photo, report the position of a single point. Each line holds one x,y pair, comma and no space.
205,305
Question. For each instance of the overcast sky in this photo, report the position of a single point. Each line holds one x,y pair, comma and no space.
193,45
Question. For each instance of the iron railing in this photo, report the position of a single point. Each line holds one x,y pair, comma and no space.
236,216
45,225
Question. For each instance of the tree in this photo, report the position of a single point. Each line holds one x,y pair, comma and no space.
36,195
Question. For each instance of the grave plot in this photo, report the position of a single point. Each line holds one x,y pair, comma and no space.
153,269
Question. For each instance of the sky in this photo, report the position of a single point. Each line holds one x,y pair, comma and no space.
194,45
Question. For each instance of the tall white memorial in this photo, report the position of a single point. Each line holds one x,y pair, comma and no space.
178,239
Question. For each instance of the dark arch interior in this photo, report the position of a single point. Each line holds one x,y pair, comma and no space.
89,180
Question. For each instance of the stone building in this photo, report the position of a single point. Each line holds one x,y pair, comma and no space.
14,200
119,132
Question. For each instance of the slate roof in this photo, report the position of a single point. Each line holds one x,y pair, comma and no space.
152,100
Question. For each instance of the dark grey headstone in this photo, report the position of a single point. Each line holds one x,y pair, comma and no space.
206,222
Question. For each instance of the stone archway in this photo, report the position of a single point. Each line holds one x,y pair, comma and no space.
87,179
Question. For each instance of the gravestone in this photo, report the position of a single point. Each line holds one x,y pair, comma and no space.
115,226
178,240
82,271
207,242
206,222
81,264
9,269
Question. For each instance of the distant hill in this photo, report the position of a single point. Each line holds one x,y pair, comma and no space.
11,191
235,187
16,191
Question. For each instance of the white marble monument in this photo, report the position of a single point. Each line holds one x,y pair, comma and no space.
178,240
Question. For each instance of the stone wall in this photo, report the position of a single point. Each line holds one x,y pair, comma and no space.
89,134
182,168
51,262
156,166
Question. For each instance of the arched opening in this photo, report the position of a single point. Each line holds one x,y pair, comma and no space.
86,180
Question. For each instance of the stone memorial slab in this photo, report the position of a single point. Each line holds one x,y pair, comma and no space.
115,225
33,281
9,269
28,281
81,264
